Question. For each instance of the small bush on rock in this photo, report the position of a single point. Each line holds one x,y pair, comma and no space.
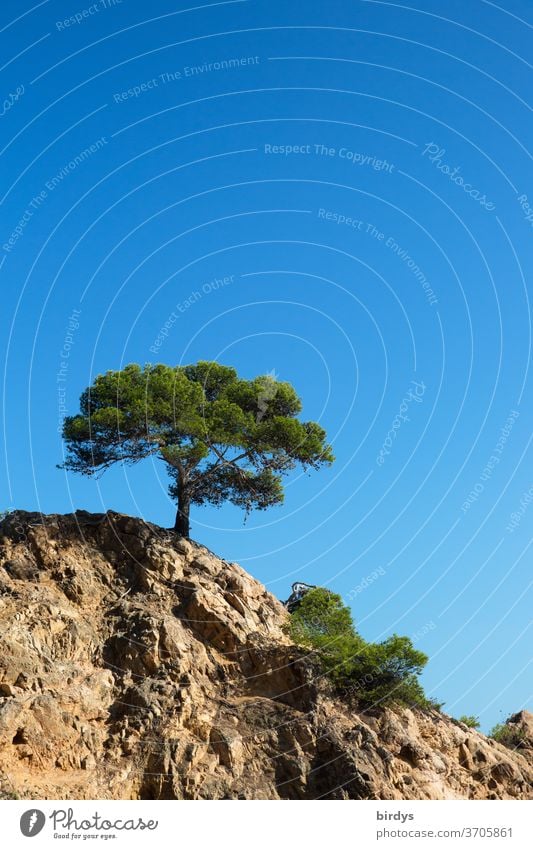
372,673
471,721
507,735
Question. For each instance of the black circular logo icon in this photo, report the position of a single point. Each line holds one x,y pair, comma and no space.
32,822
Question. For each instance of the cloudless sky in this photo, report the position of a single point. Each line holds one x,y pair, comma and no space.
345,205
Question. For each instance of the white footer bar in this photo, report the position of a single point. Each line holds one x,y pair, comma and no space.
277,825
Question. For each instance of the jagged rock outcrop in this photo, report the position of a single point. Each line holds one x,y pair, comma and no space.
136,664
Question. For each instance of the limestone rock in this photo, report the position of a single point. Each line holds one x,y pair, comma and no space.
136,664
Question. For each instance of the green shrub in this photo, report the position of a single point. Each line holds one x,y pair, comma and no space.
321,613
507,735
324,623
372,673
388,672
471,721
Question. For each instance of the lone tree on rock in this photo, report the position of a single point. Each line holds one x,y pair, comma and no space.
223,438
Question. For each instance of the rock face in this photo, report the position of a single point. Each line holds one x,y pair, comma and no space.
138,665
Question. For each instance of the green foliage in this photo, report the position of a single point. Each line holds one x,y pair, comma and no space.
471,721
321,616
373,673
388,672
323,622
223,438
507,735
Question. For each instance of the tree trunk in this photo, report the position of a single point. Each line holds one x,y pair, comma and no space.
182,525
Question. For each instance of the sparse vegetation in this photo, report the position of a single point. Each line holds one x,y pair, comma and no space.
372,673
507,735
471,721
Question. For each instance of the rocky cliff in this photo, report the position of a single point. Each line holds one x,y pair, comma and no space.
136,664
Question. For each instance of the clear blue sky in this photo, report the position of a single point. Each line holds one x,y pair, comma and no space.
359,171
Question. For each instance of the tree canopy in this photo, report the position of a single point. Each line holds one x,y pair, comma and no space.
223,438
